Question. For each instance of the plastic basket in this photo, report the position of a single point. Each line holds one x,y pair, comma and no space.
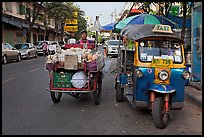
62,77
62,84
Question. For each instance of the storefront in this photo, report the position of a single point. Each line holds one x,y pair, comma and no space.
196,42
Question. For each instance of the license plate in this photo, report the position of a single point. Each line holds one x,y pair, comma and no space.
164,63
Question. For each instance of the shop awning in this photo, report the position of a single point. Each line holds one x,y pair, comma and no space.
108,27
5,19
15,23
35,26
25,25
43,28
137,11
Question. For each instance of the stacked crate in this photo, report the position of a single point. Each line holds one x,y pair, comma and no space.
63,80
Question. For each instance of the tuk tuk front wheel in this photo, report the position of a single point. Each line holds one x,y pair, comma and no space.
97,93
160,117
56,96
119,93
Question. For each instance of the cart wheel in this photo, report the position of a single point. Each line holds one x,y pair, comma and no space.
119,93
97,93
56,96
160,118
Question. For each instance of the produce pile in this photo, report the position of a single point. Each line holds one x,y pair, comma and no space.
88,56
88,59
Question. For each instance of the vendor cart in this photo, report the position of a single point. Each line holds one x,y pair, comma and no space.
61,77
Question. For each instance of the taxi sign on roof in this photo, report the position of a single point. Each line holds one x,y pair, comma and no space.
162,28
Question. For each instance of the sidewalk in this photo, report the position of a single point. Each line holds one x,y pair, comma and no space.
194,95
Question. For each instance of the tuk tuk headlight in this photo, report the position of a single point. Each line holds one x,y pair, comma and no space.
139,73
186,74
163,75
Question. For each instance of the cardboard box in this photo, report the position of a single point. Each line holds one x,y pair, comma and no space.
71,62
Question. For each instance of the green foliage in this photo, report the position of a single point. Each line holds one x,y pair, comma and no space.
59,10
82,24
63,10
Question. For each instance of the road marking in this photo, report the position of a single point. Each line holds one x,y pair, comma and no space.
8,80
34,69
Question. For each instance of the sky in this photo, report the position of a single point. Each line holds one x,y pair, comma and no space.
102,9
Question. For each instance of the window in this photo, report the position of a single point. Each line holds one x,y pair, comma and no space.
10,47
22,9
8,6
40,17
49,22
6,46
114,42
160,50
54,43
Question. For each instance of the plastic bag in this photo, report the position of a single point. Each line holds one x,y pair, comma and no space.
106,67
79,79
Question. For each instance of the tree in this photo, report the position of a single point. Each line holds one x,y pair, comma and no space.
37,6
63,10
82,23
146,6
58,11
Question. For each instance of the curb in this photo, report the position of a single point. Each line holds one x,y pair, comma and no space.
194,96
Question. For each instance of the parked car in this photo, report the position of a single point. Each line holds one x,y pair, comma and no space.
112,47
10,53
52,47
28,50
40,47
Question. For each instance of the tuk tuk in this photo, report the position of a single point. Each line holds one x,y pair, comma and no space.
151,71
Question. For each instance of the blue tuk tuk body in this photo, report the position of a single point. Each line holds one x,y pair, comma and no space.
150,80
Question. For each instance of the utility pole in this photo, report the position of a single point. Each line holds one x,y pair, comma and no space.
111,17
115,15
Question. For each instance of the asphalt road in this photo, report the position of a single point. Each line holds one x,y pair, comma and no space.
27,108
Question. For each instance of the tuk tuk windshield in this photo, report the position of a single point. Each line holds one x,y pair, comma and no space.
160,50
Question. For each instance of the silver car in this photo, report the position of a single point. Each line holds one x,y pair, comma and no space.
27,50
112,47
10,53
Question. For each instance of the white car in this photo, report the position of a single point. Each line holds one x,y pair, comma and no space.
112,47
52,47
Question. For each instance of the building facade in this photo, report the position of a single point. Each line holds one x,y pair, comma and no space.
196,44
15,23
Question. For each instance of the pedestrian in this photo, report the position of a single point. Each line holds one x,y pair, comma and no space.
45,48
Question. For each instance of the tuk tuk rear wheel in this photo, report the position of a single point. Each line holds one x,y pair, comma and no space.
119,93
56,96
97,93
160,118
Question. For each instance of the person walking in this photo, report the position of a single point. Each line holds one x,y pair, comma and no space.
45,48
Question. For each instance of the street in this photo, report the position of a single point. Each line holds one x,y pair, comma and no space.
27,108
